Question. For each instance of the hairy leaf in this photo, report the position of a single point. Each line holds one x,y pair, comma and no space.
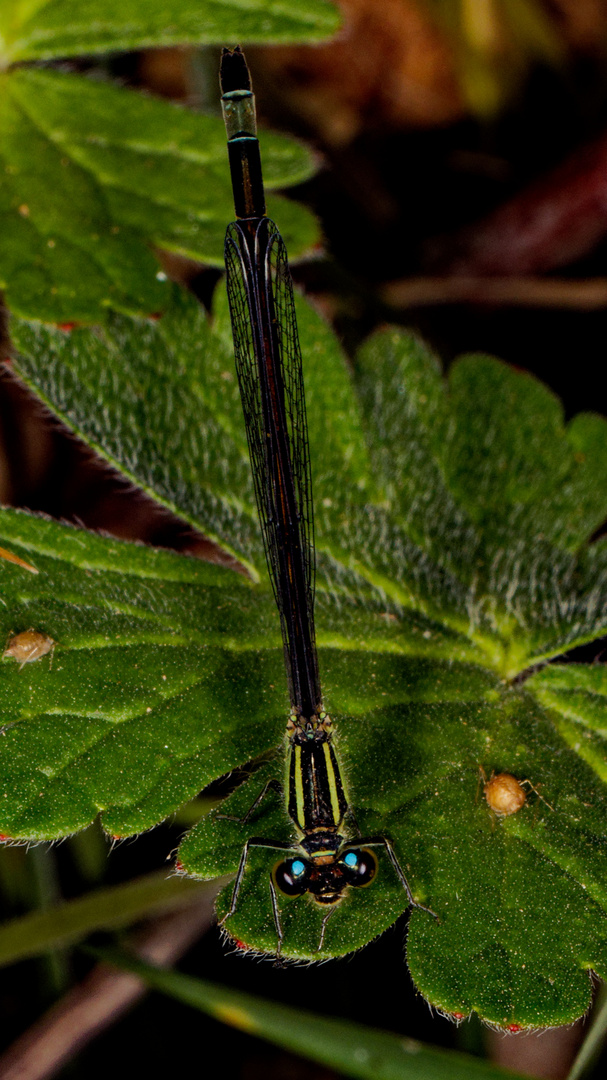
454,532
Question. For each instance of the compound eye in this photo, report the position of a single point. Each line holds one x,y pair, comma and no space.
360,866
291,876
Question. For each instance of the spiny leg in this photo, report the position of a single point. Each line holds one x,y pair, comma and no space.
273,785
323,928
254,841
382,841
277,923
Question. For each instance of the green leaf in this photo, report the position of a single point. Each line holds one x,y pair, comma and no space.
351,1049
576,695
103,909
454,556
180,369
94,176
43,29
112,722
496,492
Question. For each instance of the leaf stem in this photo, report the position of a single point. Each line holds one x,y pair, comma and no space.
592,1044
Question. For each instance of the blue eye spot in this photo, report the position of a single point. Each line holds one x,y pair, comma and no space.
298,868
351,859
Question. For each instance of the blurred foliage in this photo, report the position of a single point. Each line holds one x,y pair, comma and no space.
494,44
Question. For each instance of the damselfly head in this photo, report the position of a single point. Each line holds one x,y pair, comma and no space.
325,881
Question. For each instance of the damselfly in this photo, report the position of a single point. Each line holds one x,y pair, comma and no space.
322,861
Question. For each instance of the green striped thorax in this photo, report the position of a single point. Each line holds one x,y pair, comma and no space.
317,804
